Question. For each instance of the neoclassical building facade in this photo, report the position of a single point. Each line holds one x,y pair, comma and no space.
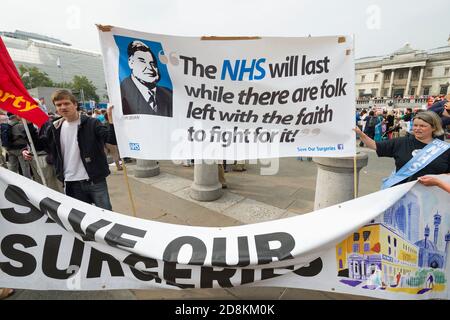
405,73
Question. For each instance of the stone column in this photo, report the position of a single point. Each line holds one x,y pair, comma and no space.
335,179
146,168
391,84
380,88
206,186
419,86
408,83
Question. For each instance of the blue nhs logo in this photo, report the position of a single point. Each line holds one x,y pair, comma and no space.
135,147
340,147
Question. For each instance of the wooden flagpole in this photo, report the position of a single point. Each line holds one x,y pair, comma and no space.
130,194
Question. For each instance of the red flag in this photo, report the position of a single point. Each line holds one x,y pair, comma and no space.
14,97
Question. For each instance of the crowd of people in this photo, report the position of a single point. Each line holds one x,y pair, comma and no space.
406,137
431,99
71,149
73,145
378,125
16,155
381,124
385,125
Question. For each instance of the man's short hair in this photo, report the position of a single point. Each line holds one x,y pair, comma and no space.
137,45
62,95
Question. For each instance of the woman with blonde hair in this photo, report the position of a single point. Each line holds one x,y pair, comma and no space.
426,128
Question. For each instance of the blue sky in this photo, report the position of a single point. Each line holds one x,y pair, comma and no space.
380,27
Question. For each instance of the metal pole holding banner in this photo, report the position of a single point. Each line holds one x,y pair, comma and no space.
355,159
33,149
130,194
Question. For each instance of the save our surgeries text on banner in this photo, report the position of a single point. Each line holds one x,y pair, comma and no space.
396,248
230,98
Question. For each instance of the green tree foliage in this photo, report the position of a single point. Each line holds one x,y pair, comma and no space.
65,85
81,82
32,77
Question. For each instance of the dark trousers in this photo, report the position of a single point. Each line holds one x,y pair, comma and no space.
370,133
89,192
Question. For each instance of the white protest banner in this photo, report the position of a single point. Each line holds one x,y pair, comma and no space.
391,244
230,98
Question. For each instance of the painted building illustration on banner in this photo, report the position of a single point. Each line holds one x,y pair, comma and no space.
407,251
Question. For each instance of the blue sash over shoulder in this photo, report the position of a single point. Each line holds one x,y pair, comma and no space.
423,158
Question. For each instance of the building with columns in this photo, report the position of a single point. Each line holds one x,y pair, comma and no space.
406,72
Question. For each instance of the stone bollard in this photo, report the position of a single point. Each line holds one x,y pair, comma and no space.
146,168
206,186
335,179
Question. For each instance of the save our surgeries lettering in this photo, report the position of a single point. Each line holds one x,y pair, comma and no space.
114,237
21,263
223,276
262,242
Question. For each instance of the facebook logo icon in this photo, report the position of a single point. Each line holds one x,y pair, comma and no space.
340,147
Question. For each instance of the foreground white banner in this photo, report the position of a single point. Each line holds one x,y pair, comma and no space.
230,98
348,248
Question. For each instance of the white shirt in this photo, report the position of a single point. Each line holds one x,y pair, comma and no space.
73,166
363,122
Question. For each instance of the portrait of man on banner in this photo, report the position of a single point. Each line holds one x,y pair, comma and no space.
145,84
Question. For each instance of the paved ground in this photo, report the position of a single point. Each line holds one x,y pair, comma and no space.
251,198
